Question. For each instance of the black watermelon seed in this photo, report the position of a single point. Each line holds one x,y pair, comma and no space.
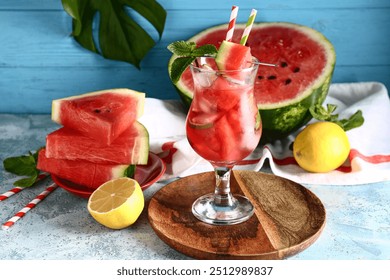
296,70
283,64
97,111
260,77
286,82
272,77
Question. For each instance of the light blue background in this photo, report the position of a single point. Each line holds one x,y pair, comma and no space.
40,61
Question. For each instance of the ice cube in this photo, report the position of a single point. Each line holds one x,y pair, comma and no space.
205,78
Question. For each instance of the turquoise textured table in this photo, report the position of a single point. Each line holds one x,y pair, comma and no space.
60,227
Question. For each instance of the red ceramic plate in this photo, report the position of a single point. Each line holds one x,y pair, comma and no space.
146,175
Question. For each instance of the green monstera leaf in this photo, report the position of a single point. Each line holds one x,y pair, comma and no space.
120,36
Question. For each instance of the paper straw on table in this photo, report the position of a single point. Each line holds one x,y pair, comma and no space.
232,23
10,192
16,190
248,27
29,206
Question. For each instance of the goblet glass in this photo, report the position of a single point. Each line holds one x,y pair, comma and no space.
223,126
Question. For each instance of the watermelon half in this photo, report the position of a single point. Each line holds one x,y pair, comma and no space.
284,94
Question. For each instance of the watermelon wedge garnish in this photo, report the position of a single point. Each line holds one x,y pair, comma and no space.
284,94
233,56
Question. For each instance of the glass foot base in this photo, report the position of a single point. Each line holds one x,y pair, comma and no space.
205,210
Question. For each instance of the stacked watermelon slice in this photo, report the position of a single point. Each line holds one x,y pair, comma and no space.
100,138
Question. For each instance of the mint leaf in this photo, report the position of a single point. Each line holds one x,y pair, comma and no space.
25,165
205,50
178,66
121,37
186,53
320,113
355,120
182,48
27,182
189,49
21,166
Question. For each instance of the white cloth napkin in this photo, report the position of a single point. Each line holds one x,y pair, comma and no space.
369,160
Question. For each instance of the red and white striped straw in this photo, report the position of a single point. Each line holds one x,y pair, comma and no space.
29,206
248,27
10,192
232,23
16,190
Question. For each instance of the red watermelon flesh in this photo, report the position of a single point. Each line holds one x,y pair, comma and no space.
131,147
101,115
85,173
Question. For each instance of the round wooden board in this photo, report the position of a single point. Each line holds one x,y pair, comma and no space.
288,218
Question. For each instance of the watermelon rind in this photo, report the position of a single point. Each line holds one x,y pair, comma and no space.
119,171
282,118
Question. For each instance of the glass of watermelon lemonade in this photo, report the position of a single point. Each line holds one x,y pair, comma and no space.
223,126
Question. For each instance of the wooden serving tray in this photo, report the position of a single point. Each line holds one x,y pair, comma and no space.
288,218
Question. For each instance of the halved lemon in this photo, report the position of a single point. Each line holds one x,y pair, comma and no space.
117,204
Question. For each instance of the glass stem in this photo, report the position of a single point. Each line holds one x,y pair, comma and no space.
222,195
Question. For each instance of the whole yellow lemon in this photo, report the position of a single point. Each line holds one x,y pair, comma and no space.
321,147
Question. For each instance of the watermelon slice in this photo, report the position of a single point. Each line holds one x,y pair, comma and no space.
284,94
85,173
131,147
233,56
101,115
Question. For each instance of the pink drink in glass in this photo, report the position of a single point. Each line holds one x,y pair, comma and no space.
223,126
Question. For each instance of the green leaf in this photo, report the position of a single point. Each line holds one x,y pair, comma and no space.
320,113
25,165
182,48
331,108
73,8
178,66
186,53
22,165
121,37
27,182
354,121
205,50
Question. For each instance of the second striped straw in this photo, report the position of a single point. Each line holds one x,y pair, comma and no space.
248,27
29,206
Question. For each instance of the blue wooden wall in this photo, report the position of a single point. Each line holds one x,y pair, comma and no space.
39,61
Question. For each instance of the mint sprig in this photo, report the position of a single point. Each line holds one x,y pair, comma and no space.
186,53
326,114
25,165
